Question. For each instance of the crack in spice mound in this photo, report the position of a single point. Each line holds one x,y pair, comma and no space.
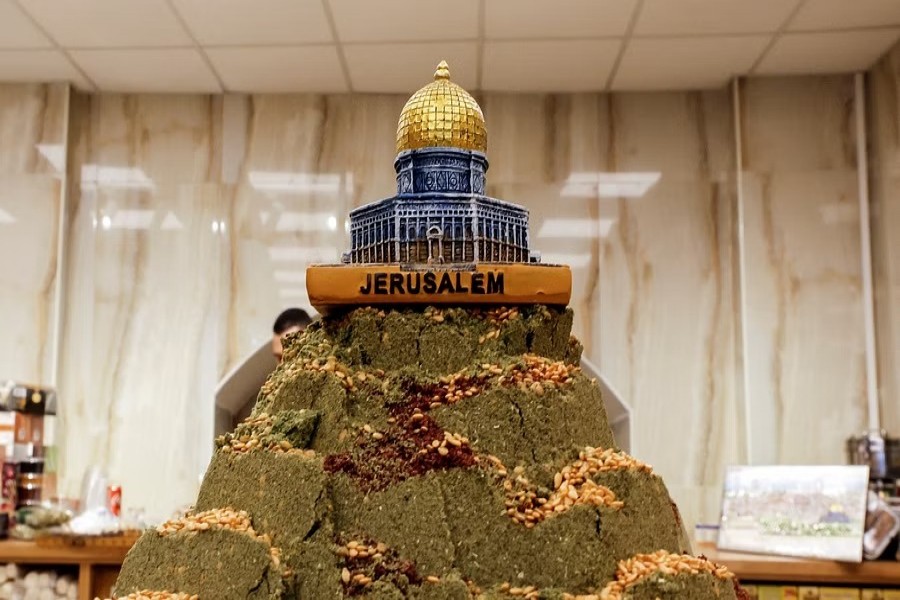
432,436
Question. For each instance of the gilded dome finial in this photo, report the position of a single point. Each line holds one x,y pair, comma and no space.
441,115
443,70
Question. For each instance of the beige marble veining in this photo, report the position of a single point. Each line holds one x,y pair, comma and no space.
301,163
32,173
142,323
884,175
805,360
535,145
361,141
278,211
667,317
33,128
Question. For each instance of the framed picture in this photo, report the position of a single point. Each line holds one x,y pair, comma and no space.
803,511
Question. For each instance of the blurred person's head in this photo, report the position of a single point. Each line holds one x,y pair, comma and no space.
290,321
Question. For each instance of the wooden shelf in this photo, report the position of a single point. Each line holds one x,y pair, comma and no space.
98,565
757,567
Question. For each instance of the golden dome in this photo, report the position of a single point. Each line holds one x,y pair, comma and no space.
441,114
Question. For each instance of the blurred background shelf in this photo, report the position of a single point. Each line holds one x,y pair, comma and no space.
752,568
98,560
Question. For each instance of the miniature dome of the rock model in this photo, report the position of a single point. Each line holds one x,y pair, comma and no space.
441,114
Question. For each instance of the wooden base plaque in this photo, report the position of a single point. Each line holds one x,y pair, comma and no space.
335,286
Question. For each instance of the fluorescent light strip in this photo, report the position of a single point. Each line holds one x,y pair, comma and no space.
314,254
94,177
284,276
576,261
299,183
305,221
603,184
575,228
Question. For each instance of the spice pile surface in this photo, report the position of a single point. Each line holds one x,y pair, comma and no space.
426,454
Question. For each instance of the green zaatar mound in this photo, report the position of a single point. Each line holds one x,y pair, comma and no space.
219,564
422,454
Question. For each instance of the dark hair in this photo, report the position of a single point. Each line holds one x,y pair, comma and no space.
292,317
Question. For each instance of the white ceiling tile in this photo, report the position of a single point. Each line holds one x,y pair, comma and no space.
411,65
38,66
683,17
845,14
548,66
275,70
17,30
109,23
405,21
234,22
832,52
680,63
155,70
506,19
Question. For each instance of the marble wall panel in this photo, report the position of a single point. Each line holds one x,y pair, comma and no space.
144,313
884,175
540,147
666,319
805,356
295,165
32,176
